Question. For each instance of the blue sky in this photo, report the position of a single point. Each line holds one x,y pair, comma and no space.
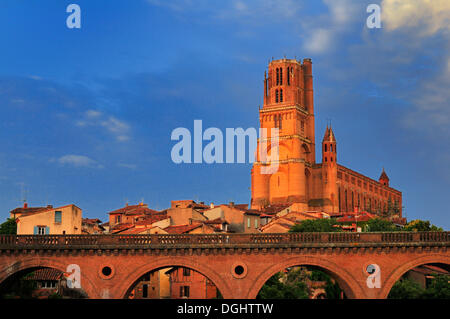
86,114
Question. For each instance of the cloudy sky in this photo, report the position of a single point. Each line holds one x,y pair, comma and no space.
86,114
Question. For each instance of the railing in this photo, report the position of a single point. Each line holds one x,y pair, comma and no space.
68,241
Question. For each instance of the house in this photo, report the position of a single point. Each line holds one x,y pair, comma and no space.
186,283
240,219
48,220
92,226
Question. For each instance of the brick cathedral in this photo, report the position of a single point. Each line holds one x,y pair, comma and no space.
300,180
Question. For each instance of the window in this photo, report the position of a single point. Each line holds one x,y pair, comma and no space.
288,76
325,147
331,147
278,76
184,291
281,95
186,272
249,222
118,219
281,76
256,223
276,96
41,230
279,121
58,217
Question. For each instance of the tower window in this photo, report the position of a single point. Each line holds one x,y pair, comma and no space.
281,95
276,96
331,159
325,147
279,121
331,147
288,76
325,159
278,76
275,118
281,76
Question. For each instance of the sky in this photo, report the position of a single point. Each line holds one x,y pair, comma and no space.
86,114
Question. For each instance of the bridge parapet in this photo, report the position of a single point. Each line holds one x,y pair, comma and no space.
149,241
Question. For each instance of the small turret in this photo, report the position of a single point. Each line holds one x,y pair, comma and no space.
329,153
384,179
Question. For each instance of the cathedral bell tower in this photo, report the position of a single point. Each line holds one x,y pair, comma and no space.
288,106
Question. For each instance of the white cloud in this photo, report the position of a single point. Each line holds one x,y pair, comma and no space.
119,129
428,16
321,32
126,165
319,41
78,161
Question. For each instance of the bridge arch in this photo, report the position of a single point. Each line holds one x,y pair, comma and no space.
35,263
397,273
345,280
166,262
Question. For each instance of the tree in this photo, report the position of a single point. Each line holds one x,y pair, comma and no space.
9,227
378,225
285,286
439,288
406,289
315,225
421,225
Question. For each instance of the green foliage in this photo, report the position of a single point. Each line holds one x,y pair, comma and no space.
285,286
406,289
439,288
9,227
315,225
421,225
378,225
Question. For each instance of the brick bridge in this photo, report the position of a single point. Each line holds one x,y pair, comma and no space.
238,264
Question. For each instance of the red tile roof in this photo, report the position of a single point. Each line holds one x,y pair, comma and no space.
120,227
181,229
140,209
45,274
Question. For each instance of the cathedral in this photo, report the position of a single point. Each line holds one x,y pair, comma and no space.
300,180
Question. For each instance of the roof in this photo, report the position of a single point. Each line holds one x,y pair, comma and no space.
329,135
360,217
120,227
150,219
216,221
273,209
91,221
45,274
27,211
140,209
384,176
181,229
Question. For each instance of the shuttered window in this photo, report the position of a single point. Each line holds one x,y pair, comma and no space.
58,217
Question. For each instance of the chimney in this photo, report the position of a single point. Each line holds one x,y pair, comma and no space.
211,205
25,205
49,206
231,204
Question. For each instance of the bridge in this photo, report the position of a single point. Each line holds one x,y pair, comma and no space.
238,264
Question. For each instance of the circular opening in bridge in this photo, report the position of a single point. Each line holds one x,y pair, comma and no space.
238,270
370,269
106,271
